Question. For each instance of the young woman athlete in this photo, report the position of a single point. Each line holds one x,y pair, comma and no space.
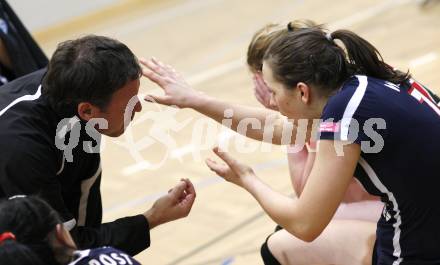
377,124
355,219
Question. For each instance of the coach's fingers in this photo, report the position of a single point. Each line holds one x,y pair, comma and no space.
190,194
178,190
186,204
188,201
189,187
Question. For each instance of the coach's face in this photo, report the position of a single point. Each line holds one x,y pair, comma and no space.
119,112
122,108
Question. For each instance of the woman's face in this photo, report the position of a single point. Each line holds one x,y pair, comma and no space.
288,101
299,103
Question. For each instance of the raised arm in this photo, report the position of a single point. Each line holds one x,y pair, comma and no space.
256,123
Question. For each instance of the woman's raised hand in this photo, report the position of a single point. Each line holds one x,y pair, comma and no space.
177,92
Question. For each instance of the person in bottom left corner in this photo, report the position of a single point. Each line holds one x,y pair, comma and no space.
32,233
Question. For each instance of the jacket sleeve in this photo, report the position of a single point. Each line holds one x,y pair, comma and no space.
130,234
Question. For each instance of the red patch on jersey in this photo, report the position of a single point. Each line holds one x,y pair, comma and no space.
329,127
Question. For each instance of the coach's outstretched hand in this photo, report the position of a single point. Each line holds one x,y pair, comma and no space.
233,171
177,91
175,205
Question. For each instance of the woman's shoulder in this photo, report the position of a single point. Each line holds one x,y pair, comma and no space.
360,97
357,90
360,82
102,256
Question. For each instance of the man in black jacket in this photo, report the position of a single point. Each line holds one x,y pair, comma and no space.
50,127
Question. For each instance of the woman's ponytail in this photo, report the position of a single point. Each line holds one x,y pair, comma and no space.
365,59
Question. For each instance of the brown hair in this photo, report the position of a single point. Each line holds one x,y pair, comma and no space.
312,56
266,35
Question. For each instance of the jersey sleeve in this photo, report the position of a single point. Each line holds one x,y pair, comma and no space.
353,115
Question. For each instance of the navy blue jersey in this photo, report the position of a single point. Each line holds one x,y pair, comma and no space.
397,127
103,256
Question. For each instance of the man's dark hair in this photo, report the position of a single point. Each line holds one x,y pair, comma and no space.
88,69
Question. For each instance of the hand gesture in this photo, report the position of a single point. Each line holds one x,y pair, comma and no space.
177,92
233,171
175,205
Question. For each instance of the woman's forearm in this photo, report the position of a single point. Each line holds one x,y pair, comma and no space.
257,123
283,210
